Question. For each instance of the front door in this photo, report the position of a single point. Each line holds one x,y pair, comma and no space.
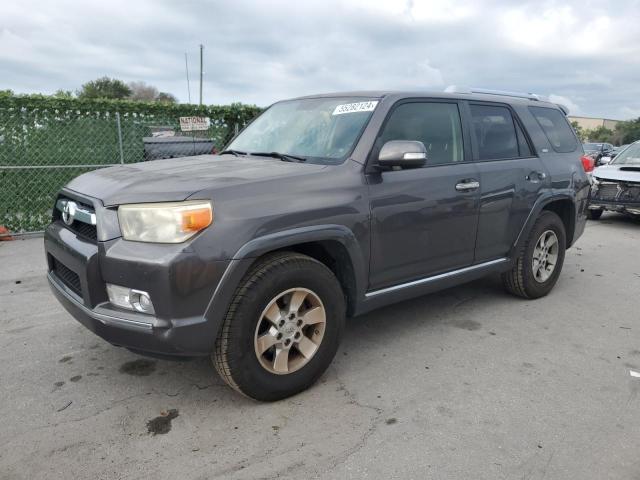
423,219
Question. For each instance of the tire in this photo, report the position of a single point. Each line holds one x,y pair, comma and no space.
263,293
593,214
522,280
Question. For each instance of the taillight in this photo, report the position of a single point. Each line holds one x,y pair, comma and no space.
588,163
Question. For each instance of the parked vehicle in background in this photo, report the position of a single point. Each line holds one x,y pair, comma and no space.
159,147
323,207
607,159
616,186
598,150
618,149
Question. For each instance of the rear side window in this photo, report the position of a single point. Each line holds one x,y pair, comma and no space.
495,133
555,126
435,124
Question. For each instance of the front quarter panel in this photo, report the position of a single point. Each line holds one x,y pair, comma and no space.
252,220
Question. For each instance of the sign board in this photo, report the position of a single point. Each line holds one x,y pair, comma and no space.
190,124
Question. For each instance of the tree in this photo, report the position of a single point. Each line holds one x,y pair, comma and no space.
104,87
63,94
600,134
142,92
579,131
164,97
629,131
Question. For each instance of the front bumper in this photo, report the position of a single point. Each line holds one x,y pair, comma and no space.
632,208
180,280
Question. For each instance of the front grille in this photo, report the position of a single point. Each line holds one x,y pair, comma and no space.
618,192
630,194
607,191
67,276
83,229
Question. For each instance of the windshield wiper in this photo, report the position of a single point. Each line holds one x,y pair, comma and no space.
237,153
285,157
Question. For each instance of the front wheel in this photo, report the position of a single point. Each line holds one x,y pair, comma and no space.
539,262
594,214
282,329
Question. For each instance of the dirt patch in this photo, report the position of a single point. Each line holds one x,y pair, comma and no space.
391,421
162,424
138,368
76,378
467,324
65,359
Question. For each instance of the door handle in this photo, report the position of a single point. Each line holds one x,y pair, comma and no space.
536,177
467,185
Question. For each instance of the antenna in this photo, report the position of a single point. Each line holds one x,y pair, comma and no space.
186,67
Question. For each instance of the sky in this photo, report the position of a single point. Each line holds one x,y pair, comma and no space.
584,54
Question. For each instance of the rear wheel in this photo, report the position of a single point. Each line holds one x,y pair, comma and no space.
283,327
539,262
594,214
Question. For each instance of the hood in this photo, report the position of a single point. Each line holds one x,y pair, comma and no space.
175,179
621,173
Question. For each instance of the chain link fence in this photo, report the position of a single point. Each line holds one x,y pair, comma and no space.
43,146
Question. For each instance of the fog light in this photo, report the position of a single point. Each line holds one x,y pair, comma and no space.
130,298
141,301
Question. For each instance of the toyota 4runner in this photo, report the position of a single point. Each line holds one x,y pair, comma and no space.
324,207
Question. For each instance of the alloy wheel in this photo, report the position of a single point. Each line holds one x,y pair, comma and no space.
545,256
290,331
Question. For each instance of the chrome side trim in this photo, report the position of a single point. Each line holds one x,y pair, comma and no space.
435,278
101,317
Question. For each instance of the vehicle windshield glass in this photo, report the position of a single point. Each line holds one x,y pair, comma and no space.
322,130
593,146
628,156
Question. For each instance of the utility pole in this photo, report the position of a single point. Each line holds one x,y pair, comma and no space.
201,49
186,67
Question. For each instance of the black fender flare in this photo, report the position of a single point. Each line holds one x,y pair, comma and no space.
250,251
542,201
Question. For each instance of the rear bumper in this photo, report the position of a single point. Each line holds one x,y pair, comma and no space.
180,280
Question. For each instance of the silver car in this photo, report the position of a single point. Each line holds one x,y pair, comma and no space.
616,186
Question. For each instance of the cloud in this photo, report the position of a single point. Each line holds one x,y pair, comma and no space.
574,109
259,52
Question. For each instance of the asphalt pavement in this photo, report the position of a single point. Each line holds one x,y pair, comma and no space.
468,383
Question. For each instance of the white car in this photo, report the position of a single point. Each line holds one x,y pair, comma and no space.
616,186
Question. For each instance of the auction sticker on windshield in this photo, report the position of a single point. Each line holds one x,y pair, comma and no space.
355,107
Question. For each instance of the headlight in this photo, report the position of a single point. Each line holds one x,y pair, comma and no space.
171,222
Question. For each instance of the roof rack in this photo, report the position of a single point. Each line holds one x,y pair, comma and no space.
486,91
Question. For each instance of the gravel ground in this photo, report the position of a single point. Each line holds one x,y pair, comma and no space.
469,383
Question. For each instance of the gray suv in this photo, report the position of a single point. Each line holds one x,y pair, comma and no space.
324,207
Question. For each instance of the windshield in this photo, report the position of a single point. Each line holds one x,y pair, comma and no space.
319,129
592,146
628,156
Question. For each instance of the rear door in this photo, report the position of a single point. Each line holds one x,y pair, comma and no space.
511,177
423,219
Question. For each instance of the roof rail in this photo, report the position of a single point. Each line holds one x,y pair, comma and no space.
486,91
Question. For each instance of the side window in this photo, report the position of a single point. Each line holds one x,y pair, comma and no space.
555,126
523,146
495,132
437,125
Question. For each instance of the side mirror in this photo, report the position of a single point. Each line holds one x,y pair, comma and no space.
402,153
605,160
